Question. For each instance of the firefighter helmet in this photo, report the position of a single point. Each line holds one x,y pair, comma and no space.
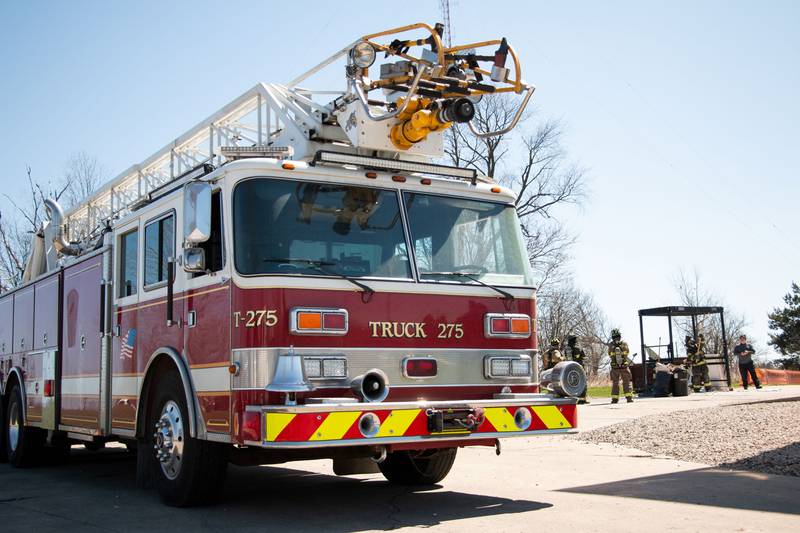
571,340
615,334
554,341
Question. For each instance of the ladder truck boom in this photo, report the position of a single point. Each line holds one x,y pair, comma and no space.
422,88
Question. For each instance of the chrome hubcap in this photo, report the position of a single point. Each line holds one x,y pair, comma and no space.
168,440
13,427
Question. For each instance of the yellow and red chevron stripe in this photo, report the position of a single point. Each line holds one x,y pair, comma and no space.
343,425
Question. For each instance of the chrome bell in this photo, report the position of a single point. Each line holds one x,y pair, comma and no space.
289,375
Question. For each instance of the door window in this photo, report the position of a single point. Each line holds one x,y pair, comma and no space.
128,260
159,247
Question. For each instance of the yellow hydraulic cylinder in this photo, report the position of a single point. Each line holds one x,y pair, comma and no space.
416,127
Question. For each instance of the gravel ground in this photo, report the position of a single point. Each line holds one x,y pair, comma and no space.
763,437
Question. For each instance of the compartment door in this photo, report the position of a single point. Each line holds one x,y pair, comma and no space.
81,354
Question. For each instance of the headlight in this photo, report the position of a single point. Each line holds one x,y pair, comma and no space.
325,367
508,367
363,55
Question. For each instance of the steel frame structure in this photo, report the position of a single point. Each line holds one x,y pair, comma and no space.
684,311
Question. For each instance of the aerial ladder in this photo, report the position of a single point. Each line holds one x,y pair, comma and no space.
394,112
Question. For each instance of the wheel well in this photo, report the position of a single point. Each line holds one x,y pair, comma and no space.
160,365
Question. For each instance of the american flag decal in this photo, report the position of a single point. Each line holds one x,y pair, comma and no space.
128,345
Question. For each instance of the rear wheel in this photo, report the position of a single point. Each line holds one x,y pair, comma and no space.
3,438
186,471
23,444
424,467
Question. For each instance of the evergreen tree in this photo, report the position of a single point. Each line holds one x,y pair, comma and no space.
786,322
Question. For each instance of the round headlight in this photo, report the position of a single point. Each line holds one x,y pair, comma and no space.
363,54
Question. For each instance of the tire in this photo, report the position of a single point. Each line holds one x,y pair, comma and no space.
3,449
23,444
191,471
425,467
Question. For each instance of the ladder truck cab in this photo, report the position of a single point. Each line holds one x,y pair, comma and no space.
292,278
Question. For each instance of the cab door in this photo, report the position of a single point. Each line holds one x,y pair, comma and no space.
207,304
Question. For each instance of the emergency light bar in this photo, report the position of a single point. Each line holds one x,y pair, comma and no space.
239,152
378,163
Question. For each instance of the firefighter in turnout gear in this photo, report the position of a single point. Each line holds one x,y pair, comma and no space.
696,360
618,352
576,353
553,355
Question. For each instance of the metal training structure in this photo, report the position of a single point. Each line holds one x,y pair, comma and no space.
670,313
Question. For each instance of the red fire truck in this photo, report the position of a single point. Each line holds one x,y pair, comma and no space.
290,280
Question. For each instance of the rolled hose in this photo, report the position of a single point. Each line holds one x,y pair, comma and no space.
566,379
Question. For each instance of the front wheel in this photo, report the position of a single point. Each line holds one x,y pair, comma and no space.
423,467
186,471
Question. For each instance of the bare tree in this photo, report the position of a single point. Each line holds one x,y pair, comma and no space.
82,176
25,217
543,177
566,310
692,292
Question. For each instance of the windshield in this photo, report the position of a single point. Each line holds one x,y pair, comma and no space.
287,227
454,235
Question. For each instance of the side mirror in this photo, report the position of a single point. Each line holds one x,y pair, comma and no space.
196,212
194,260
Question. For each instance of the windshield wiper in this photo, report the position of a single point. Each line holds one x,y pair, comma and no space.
471,276
319,265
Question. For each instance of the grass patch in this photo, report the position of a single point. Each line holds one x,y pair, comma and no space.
600,392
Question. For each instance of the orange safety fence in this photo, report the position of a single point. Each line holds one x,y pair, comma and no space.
778,377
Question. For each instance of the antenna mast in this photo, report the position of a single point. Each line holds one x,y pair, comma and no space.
444,8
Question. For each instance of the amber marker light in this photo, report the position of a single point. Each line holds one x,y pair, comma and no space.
318,321
309,320
288,166
399,179
425,181
521,326
371,175
496,189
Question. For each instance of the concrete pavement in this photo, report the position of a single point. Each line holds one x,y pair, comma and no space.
538,483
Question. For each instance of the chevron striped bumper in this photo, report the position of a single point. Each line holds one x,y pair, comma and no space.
368,424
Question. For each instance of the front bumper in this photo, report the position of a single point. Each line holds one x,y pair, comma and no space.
341,424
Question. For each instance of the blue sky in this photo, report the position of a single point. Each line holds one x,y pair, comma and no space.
684,113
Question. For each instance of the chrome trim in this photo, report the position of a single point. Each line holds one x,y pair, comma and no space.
219,437
458,367
402,440
80,436
79,430
124,432
487,326
537,400
487,366
104,416
404,368
321,331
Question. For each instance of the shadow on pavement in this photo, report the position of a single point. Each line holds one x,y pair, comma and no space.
709,486
96,491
